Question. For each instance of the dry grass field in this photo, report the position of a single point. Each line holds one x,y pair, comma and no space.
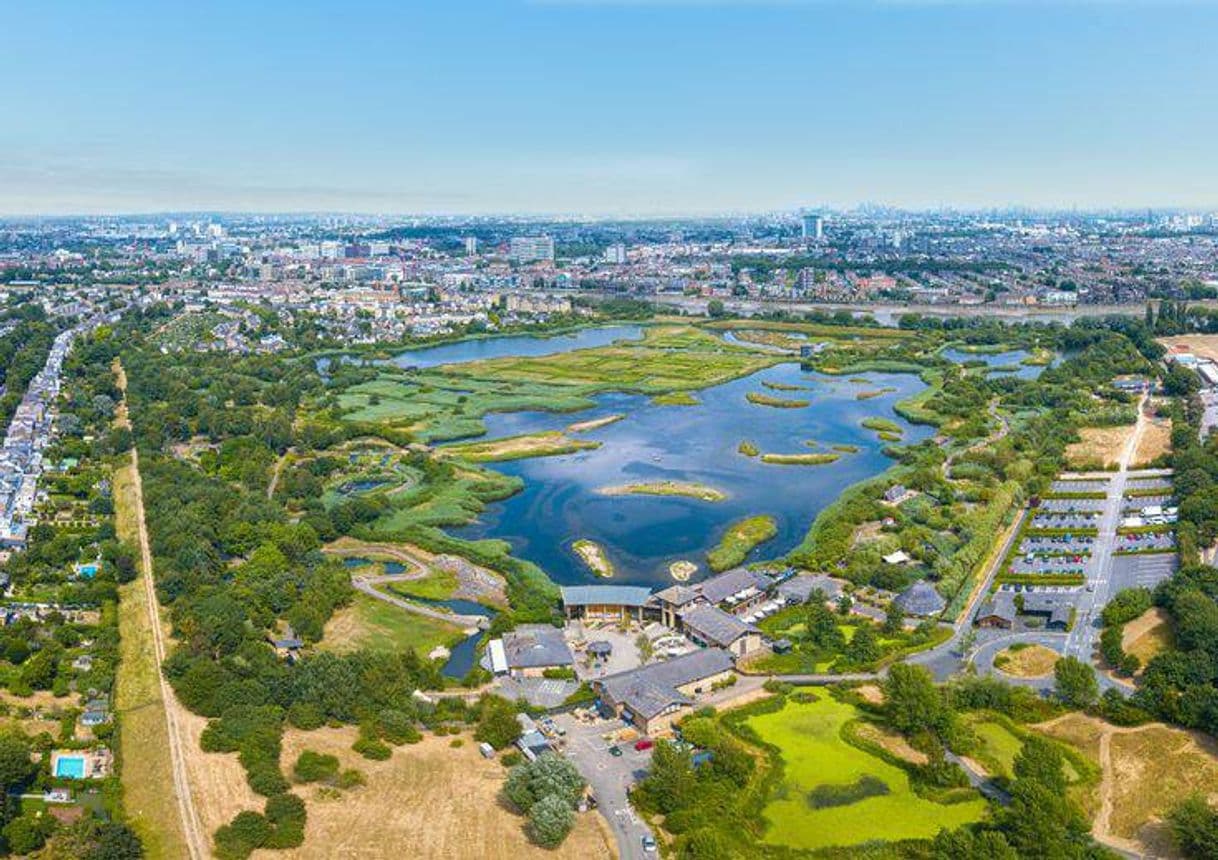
1034,661
1146,771
1200,345
429,800
1155,441
146,775
1100,446
1148,634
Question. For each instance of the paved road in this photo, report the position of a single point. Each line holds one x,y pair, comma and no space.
1085,635
610,778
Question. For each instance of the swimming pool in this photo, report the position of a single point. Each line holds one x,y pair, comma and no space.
70,766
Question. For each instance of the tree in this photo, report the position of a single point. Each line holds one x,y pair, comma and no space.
912,701
548,775
894,620
550,820
821,625
1194,824
646,650
671,783
1075,683
15,765
1041,760
864,648
497,724
715,308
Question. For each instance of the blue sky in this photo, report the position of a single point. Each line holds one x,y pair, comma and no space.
605,106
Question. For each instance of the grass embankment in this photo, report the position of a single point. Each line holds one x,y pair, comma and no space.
379,626
593,555
828,332
819,459
436,585
690,489
774,402
1026,660
549,444
808,737
146,773
740,539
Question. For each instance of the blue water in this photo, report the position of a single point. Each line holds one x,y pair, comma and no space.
1010,358
642,535
72,767
515,345
391,567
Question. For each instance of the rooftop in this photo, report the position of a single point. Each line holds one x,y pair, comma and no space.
647,691
535,646
715,626
605,595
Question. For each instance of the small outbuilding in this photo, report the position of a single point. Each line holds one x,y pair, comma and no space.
921,599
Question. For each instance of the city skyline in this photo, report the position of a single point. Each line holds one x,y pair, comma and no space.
607,108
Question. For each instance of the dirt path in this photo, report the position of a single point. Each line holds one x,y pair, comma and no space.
270,489
196,842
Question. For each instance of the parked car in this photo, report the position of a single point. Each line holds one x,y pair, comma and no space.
649,844
644,744
615,750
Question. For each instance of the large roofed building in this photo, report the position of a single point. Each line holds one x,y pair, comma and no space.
652,697
710,625
605,602
530,649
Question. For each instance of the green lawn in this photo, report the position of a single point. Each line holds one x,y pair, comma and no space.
808,736
437,585
999,746
379,626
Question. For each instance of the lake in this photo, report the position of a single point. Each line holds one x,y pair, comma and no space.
998,362
642,535
479,349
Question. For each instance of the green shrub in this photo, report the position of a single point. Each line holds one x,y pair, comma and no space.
240,837
314,767
826,796
371,748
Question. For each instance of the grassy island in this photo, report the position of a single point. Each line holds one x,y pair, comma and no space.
689,489
675,398
776,402
594,424
593,554
547,444
748,449
800,459
682,570
876,392
739,540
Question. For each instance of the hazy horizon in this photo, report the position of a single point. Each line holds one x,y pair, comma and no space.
606,108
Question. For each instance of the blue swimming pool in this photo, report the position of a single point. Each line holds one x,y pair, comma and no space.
70,766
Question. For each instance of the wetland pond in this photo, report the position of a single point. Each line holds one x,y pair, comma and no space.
642,534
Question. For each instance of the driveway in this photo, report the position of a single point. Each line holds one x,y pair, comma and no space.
610,778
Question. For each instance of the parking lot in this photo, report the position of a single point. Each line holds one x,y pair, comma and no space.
1142,571
1137,504
1072,505
609,777
1082,485
1054,564
1074,544
1139,542
1155,483
1065,521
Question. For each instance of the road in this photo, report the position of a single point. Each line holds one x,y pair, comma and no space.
197,844
1085,634
610,779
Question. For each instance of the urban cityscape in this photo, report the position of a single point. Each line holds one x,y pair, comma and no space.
697,429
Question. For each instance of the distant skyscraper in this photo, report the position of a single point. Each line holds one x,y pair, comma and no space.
471,246
812,227
616,254
530,249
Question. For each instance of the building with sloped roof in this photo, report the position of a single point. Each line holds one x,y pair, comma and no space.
710,625
653,697
921,599
530,649
605,602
